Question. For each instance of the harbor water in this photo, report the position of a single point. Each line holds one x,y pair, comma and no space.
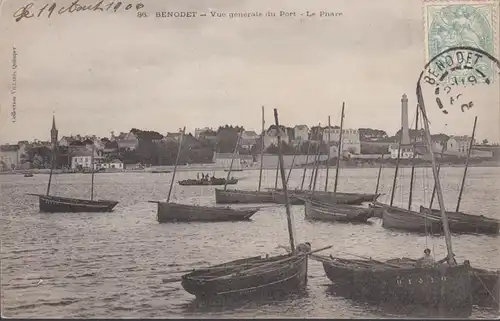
91,265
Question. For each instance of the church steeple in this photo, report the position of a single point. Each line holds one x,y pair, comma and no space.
53,132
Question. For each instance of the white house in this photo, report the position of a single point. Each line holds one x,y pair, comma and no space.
301,133
350,139
405,153
248,139
271,136
114,164
458,145
83,158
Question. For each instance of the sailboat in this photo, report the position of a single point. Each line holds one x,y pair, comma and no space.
52,204
231,196
462,222
174,212
396,281
326,207
256,276
406,219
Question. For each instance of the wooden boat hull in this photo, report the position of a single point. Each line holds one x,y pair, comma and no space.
377,209
232,196
485,287
336,212
216,182
280,279
172,212
402,219
55,204
466,223
448,287
328,197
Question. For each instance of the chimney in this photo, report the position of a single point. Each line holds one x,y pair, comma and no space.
404,120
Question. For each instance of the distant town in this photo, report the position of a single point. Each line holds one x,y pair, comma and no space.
139,148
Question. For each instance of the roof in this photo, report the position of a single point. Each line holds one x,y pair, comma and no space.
461,138
301,127
116,161
9,148
250,133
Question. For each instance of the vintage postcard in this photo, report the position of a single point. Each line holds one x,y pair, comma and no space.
249,158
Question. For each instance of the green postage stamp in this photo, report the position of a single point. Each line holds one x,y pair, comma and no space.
472,23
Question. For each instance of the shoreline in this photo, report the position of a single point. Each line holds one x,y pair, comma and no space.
205,168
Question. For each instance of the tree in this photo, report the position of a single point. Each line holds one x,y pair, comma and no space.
485,142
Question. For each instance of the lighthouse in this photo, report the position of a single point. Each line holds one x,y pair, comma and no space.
405,140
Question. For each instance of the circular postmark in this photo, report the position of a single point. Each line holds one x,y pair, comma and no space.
447,75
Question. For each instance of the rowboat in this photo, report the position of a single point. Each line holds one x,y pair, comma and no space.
174,212
466,223
315,210
212,181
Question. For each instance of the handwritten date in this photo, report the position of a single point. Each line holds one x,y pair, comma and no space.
28,11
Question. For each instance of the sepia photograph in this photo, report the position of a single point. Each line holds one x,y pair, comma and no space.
250,159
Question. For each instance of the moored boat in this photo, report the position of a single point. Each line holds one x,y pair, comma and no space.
335,212
467,223
56,204
233,196
375,281
411,221
273,276
173,212
211,181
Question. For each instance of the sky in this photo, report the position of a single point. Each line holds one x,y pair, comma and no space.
101,72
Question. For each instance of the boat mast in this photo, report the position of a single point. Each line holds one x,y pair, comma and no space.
261,150
318,156
466,164
444,217
413,162
379,172
285,190
339,150
397,167
176,163
328,157
232,158
293,163
277,172
92,165
305,166
438,170
53,137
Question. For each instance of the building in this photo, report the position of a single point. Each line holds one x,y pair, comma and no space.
248,139
10,156
271,136
405,153
82,159
300,133
458,145
240,161
114,164
127,141
200,131
351,141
